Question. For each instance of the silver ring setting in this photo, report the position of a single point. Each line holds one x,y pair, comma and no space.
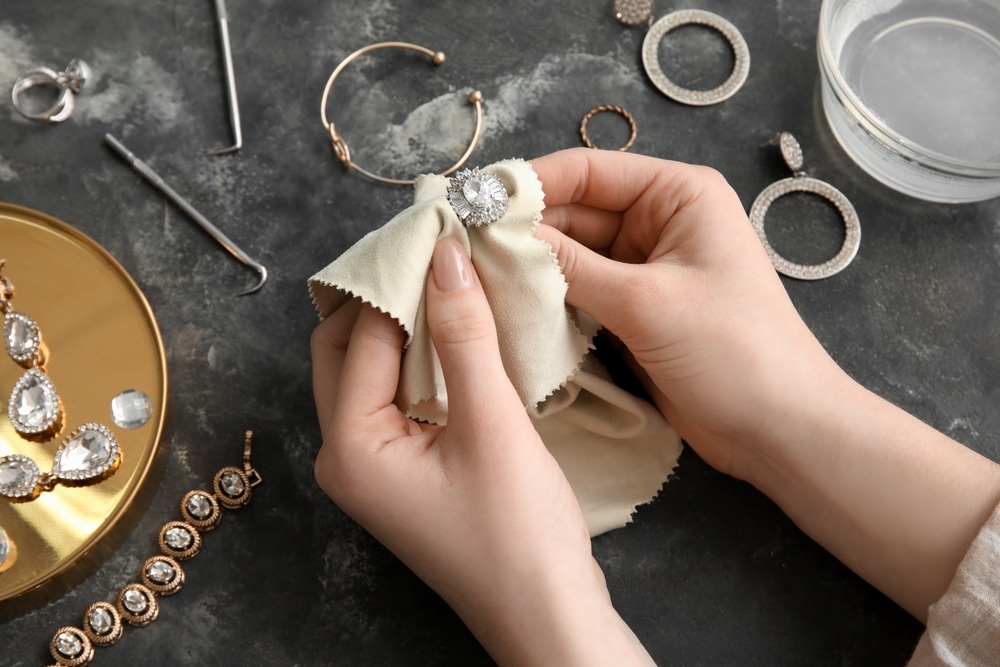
792,153
477,196
69,82
651,57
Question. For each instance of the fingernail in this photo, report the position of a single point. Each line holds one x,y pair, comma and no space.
451,266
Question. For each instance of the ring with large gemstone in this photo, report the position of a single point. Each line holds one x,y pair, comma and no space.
478,197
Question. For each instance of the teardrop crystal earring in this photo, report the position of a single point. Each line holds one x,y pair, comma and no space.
34,408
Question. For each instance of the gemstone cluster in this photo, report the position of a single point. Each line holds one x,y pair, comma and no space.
478,197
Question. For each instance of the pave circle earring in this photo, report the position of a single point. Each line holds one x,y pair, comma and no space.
637,12
340,148
137,603
792,153
89,454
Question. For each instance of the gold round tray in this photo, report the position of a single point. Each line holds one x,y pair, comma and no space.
102,339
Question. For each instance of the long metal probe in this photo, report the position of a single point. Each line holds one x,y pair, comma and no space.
227,59
154,179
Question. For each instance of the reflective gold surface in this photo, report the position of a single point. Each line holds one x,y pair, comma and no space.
102,339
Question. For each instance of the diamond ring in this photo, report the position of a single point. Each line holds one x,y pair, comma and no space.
478,197
69,83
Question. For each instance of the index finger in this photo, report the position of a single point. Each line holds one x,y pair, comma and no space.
613,201
608,180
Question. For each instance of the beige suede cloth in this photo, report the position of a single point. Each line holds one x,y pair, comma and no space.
616,449
963,627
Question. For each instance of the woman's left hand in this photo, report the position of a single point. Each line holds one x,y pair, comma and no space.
478,509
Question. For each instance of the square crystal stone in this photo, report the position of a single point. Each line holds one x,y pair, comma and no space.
131,409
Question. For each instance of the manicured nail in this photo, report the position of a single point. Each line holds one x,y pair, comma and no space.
451,266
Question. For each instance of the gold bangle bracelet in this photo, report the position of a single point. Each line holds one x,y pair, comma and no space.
340,147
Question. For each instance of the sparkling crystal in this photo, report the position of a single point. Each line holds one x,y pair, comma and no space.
68,644
19,476
34,404
88,453
20,334
101,621
478,197
791,151
232,485
131,409
476,192
178,538
633,12
160,572
200,506
4,546
135,601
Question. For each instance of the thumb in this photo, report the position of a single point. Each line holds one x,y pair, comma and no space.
463,331
598,286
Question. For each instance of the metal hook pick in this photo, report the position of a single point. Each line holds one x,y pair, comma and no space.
154,179
227,62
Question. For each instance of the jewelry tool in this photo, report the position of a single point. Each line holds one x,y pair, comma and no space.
157,182
227,60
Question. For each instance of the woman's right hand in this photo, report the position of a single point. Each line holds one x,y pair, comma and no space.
679,276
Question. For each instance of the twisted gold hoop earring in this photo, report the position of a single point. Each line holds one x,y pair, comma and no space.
340,148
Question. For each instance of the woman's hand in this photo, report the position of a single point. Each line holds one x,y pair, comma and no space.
680,277
478,509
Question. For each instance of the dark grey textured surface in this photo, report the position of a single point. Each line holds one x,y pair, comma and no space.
710,573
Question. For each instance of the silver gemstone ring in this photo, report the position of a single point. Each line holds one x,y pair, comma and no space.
651,57
477,196
69,83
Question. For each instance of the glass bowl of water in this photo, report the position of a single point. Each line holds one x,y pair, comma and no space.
911,89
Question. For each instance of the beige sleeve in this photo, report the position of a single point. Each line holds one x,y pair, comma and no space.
963,627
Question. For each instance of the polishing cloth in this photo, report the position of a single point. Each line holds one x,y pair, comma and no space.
615,448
